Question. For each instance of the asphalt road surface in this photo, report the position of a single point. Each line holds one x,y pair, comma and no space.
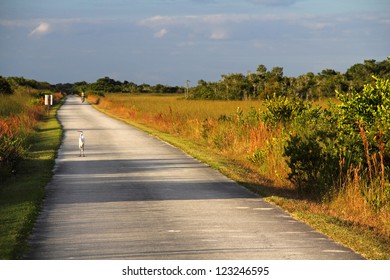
135,197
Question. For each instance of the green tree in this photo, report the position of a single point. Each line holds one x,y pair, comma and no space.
5,87
369,110
237,86
305,86
106,84
273,82
328,82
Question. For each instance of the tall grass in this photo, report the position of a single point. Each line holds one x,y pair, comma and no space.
357,201
19,115
363,194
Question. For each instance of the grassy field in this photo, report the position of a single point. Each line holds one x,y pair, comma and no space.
228,136
21,194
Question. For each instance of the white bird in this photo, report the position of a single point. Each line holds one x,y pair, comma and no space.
81,142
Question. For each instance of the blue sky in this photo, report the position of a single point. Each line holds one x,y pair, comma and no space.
171,41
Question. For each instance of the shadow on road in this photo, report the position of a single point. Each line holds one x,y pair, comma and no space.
86,181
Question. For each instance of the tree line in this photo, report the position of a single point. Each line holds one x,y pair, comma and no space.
261,84
108,85
101,86
8,85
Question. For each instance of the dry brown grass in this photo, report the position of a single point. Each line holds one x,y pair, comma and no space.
358,201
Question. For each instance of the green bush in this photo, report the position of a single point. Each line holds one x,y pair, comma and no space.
283,110
11,150
5,87
311,151
365,114
324,144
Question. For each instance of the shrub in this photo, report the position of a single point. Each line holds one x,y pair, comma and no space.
311,151
11,150
282,109
11,145
19,114
365,127
365,114
5,87
325,144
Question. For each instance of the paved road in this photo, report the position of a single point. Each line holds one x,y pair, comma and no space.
135,197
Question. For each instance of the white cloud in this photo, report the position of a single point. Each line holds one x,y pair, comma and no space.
42,29
212,26
14,23
273,2
219,35
158,21
214,19
316,25
161,33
